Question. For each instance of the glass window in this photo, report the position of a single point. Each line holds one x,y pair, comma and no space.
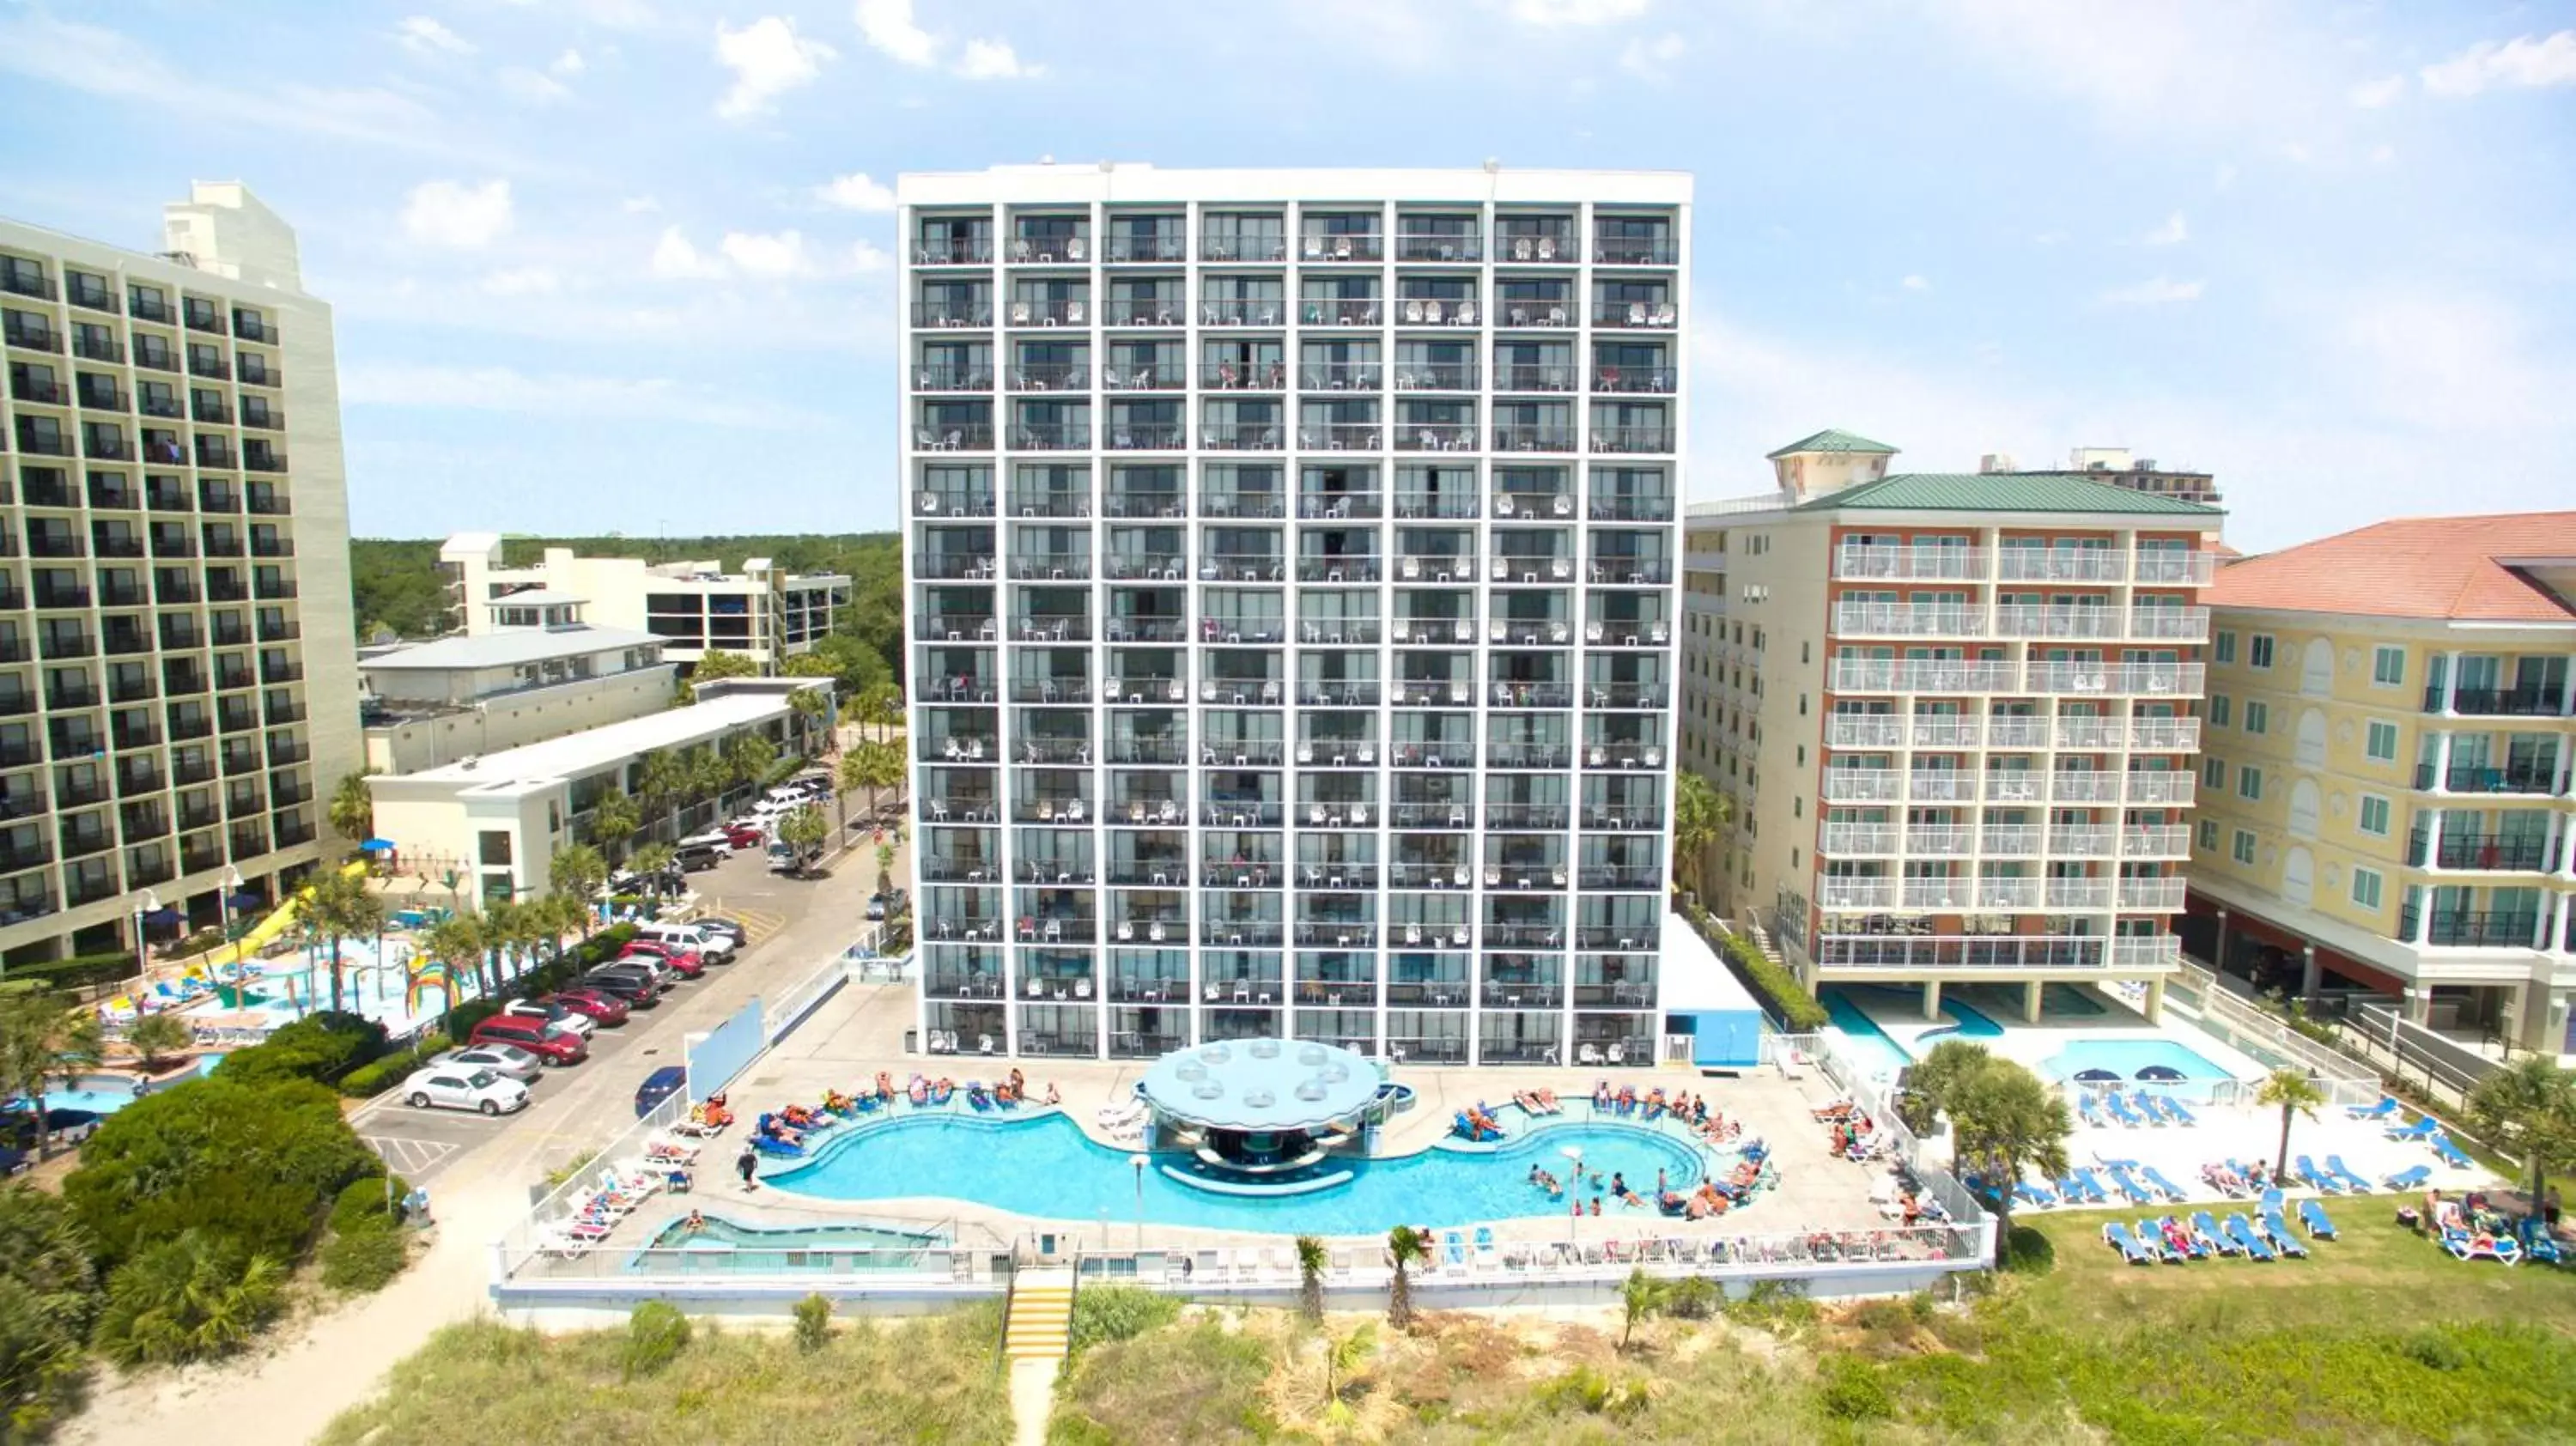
2213,772
2241,848
2258,650
2365,888
2209,833
2226,646
2374,815
2258,717
2221,708
2249,782
2381,744
2387,670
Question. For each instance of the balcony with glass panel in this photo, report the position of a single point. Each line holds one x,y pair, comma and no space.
952,240
966,795
1528,680
1146,615
1534,427
1140,426
1621,862
1062,1028
1241,426
1338,425
1537,236
952,304
1517,861
1051,490
1051,426
1044,240
1425,800
1632,427
954,366
1258,301
1337,680
1236,859
1050,675
1240,677
1437,557
1141,236
1158,975
1519,1037
1336,740
961,971
1616,618
973,1027
1615,741
954,614
1535,303
1435,301
2498,685
961,735
1042,736
951,855
1324,236
1243,236
1532,556
953,427
1050,554
1634,304
1339,301
1049,303
1337,555
1525,619
1434,680
1438,861
1433,740
1144,491
1622,804
1425,491
1334,493
1243,364
1050,366
1144,366
1150,736
955,674
1242,739
1147,301
1149,916
1534,741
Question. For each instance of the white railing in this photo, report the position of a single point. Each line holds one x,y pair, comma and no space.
2162,841
1930,564
1941,785
2171,785
2154,679
2194,567
2189,624
1946,731
2080,786
2081,841
1941,839
1864,730
2015,785
1859,839
2155,951
2057,622
1863,785
2013,840
2063,564
2009,893
2177,735
2079,893
1850,893
2153,895
1907,620
1920,675
1942,893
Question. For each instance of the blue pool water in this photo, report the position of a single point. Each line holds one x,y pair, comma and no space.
2125,1057
1871,1047
1868,1044
1046,1167
2054,999
100,1094
726,1246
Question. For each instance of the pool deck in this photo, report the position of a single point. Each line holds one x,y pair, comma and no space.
2033,1044
860,1032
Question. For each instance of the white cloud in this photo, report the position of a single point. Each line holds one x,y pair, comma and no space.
1916,283
534,87
454,214
994,60
2159,291
2173,232
523,281
1651,59
1553,13
888,27
865,257
857,191
2372,94
777,255
768,59
569,64
2520,62
675,259
428,39
506,389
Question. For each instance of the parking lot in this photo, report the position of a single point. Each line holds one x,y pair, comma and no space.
795,925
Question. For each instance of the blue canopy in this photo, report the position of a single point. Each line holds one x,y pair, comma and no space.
1255,1085
378,846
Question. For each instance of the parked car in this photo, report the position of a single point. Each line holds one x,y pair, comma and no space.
682,962
632,988
506,1060
601,1006
769,809
448,1088
745,836
877,905
644,967
554,1046
553,1011
726,929
715,838
698,859
888,906
658,1086
687,936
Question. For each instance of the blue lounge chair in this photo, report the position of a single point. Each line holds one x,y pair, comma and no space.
2156,1178
770,1145
2130,1189
2241,1230
2152,1107
2090,1107
2093,1191
2131,1249
2154,1239
2036,1196
2120,1111
2408,1178
2070,1190
2192,1246
2276,1233
2450,1153
2353,1184
2543,1249
2219,1240
2385,1109
2423,1129
2318,1179
1453,1248
2174,1107
2313,1216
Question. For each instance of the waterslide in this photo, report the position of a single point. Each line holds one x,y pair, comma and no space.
279,920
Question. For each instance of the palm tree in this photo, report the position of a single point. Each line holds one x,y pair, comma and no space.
613,820
1932,1082
653,861
353,809
1640,1297
456,942
1405,1248
2004,1120
804,831
871,766
1311,1260
508,931
709,775
1700,813
340,906
577,871
811,704
881,706
2296,1094
156,1037
2529,1108
748,757
43,1034
661,781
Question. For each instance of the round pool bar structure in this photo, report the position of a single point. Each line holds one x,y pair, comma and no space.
1262,1116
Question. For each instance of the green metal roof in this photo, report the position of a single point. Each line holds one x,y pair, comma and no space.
2003,492
1830,440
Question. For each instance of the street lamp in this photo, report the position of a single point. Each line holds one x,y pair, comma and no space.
232,885
150,902
1139,1161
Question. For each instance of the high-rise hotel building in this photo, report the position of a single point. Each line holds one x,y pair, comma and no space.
1291,559
1958,716
177,673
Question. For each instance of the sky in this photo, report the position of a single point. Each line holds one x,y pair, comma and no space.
626,265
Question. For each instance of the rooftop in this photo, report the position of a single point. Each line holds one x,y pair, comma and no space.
508,648
1832,440
597,748
2004,492
2457,569
537,597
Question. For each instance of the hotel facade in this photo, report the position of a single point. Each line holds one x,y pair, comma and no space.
1291,558
1957,716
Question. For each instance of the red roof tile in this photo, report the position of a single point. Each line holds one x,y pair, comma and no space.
2414,567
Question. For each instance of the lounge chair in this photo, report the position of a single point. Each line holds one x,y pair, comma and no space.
2318,1179
2422,1129
2090,1107
2353,1184
1485,1258
1453,1248
2175,1110
2219,1240
2036,1196
2131,1249
2409,1178
2120,1111
2450,1153
2155,1177
2313,1216
2152,1108
2241,1230
2154,1239
2276,1232
2193,1247
2385,1109
2130,1189
2458,1242
2092,1184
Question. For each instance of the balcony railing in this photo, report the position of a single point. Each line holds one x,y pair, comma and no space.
2006,952
1173,436
1927,564
1632,439
1517,437
952,313
2496,702
2536,777
2486,852
1636,250
1636,315
2470,929
1907,620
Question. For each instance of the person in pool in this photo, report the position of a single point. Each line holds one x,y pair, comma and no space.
695,1223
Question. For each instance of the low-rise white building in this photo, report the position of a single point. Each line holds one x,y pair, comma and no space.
545,675
496,820
762,612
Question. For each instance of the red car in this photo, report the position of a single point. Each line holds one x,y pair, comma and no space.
686,962
554,1046
606,1008
744,836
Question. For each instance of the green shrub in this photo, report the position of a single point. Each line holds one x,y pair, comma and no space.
369,1080
1849,1390
1589,1391
363,1204
1790,1002
2434,1350
251,1165
49,1295
813,1322
188,1298
1694,1298
1105,1313
320,1047
364,1259
461,1020
2028,1251
655,1335
81,971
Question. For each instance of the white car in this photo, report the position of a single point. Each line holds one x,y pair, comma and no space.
571,1021
506,1060
446,1087
716,839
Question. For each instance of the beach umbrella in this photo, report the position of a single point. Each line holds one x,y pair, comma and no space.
378,846
2096,1076
2164,1072
245,901
164,918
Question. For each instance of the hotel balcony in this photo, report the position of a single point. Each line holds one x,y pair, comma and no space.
1854,562
1996,954
2537,777
2484,852
2470,928
2523,702
1920,675
1905,620
2151,679
2152,895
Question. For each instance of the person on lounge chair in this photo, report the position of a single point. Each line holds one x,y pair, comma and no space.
1052,1098
1601,1094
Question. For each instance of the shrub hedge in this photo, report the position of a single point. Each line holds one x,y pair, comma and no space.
319,1047
374,1078
246,1163
1784,998
78,972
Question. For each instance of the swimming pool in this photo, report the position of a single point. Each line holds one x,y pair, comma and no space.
1047,1167
2127,1058
722,1245
101,1094
1868,1044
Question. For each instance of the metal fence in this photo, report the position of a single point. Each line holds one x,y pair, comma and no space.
2246,1027
2443,1068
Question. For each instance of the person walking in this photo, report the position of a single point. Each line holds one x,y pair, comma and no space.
746,1163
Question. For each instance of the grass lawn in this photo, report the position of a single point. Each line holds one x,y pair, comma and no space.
929,1381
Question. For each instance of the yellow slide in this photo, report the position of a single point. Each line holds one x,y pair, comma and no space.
277,922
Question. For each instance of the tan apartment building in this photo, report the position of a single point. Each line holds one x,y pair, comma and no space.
1957,715
2386,787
